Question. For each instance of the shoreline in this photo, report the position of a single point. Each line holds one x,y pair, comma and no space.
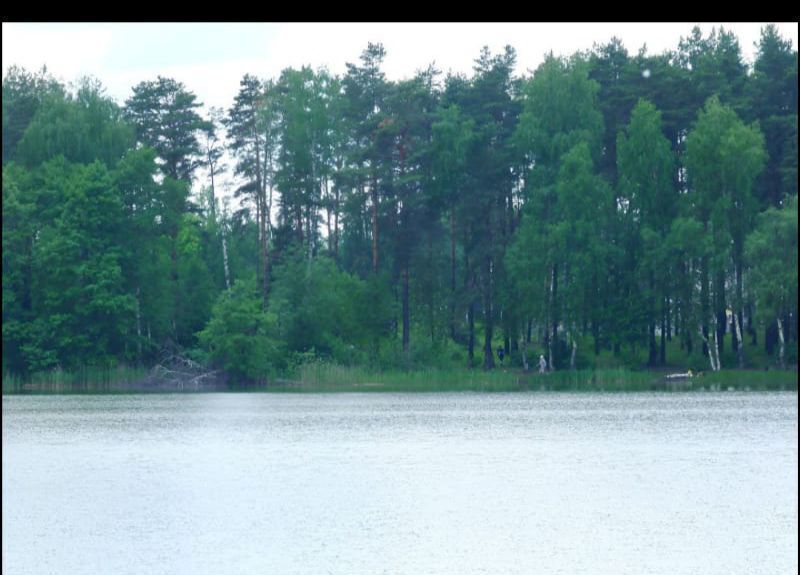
323,378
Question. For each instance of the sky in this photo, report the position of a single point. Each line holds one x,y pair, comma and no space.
210,59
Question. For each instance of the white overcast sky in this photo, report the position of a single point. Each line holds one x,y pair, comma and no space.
210,59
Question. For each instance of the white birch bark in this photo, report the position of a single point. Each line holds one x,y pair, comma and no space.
709,348
574,349
739,342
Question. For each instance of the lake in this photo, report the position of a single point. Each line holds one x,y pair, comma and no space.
262,483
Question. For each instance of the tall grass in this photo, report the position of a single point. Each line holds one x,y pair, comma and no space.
750,380
326,377
85,380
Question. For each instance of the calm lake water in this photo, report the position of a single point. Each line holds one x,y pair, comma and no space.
395,483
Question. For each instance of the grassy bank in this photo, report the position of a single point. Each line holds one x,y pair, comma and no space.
322,377
319,377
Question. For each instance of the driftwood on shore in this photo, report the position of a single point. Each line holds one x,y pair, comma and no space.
176,372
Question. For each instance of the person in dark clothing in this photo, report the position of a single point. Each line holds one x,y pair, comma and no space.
501,354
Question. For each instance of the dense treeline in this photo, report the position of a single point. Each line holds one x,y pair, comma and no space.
607,209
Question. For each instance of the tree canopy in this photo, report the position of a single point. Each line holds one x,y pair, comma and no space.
604,209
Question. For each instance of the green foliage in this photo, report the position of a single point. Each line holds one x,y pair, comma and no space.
240,337
83,315
163,114
771,250
83,128
195,284
322,310
649,204
723,158
559,111
23,95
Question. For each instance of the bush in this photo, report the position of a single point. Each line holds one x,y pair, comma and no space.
240,337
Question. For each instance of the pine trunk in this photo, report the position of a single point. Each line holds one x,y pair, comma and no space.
553,313
138,324
406,311
523,348
662,359
452,275
488,316
374,194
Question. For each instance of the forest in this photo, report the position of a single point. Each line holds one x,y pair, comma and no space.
609,209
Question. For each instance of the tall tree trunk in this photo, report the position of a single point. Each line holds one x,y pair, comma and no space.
708,347
452,275
548,347
468,289
488,316
523,349
264,248
574,351
738,299
213,202
267,237
260,259
739,343
374,195
471,332
715,343
596,336
328,210
28,271
652,359
430,293
553,313
311,232
406,311
770,337
782,343
175,287
704,301
336,226
269,213
225,262
262,241
662,359
265,268
751,328
721,316
668,314
138,324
